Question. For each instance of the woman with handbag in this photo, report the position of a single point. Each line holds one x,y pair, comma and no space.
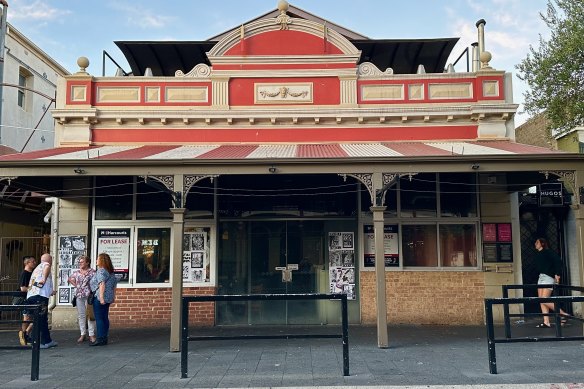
103,287
80,280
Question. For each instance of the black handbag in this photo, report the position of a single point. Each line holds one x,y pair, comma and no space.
74,301
90,298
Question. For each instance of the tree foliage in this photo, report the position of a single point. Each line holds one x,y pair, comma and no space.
555,70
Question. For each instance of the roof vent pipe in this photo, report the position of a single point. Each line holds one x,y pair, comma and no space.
475,56
481,30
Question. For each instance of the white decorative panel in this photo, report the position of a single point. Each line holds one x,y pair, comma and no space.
78,93
118,94
382,92
416,92
152,94
491,88
186,94
450,91
289,93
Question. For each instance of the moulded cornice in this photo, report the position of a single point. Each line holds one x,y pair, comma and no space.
269,73
285,59
269,25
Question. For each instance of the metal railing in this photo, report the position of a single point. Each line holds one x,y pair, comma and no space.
34,311
185,338
506,301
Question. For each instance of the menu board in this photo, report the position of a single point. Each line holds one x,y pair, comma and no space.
497,242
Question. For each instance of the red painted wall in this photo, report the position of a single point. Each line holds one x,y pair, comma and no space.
325,90
283,42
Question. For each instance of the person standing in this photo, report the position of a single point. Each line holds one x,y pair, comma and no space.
103,287
549,266
40,288
29,265
80,280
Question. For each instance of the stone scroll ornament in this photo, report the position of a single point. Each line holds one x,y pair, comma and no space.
199,71
369,69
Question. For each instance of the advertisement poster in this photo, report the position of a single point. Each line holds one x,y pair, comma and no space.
196,255
71,247
390,245
497,242
342,263
489,232
116,243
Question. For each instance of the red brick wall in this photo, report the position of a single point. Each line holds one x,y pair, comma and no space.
426,297
150,307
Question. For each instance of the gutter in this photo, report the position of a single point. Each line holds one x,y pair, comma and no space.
53,217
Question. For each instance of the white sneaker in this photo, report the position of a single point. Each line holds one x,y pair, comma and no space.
49,345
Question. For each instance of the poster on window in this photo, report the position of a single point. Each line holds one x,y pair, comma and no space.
342,263
116,243
71,247
196,256
390,245
497,242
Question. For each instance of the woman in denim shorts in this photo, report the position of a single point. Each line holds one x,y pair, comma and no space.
549,266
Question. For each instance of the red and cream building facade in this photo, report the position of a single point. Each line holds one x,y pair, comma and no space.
274,158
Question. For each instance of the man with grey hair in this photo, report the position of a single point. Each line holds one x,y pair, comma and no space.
40,289
29,265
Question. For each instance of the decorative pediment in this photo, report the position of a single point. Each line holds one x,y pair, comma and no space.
300,37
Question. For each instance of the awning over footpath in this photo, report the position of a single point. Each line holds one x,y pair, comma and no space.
282,151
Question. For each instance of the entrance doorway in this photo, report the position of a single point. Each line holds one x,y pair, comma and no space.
271,257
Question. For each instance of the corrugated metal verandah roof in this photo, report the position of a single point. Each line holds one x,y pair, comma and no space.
281,151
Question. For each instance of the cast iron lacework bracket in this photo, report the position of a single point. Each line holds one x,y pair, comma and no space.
190,180
568,177
165,184
389,180
364,178
8,178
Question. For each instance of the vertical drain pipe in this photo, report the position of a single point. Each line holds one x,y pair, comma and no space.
54,219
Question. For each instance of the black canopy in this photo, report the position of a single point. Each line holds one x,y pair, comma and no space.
402,55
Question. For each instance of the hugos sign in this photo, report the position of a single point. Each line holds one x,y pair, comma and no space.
551,195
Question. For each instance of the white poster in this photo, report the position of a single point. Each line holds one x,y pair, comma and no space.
71,247
342,263
116,243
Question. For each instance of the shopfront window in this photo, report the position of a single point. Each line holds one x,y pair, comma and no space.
113,198
419,245
152,203
153,255
458,245
200,200
418,196
458,195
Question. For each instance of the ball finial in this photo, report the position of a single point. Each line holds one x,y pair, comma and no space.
83,63
283,5
485,57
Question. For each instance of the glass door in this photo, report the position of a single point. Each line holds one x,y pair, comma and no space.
270,257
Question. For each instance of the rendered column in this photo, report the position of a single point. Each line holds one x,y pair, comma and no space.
178,224
378,224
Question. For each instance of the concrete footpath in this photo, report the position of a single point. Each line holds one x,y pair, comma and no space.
418,357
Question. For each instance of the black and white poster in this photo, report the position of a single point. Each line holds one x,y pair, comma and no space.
342,263
71,247
196,255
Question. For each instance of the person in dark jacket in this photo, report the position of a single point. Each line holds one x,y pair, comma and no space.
549,266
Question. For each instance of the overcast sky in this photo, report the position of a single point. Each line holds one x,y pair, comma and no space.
67,29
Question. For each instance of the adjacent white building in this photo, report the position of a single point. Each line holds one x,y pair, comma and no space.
30,85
